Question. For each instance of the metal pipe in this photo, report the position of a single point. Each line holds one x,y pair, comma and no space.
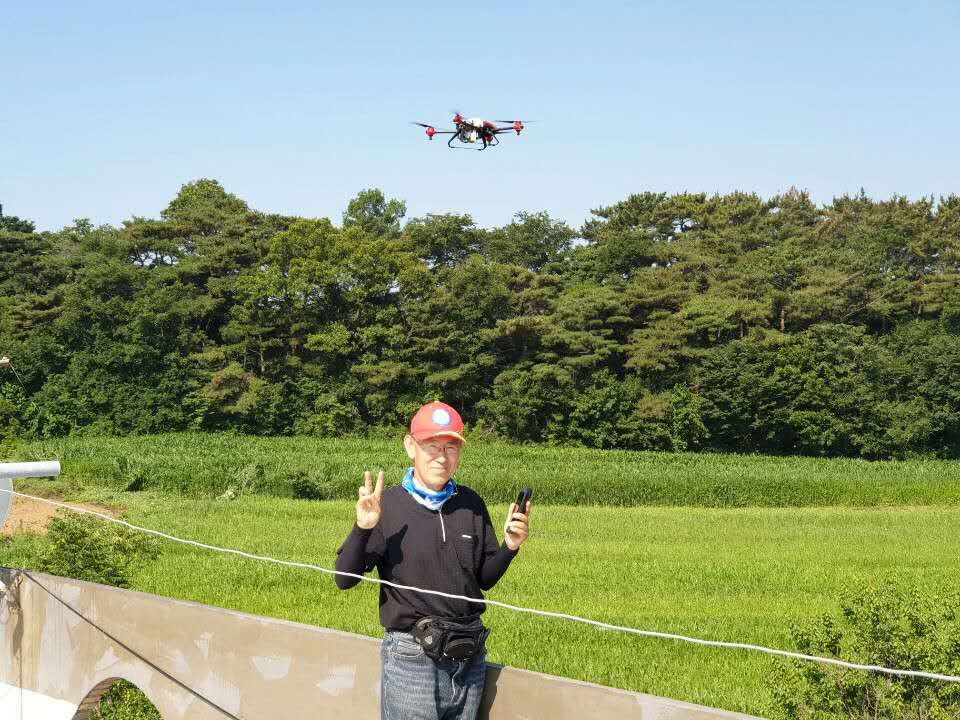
44,468
9,471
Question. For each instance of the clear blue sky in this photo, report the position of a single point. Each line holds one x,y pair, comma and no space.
107,108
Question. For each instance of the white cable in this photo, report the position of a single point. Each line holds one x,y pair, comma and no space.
515,608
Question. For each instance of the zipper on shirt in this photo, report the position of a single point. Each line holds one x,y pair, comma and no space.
443,528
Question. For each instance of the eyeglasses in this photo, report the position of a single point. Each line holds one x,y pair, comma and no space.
438,449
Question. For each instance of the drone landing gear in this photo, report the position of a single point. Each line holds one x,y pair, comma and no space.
486,143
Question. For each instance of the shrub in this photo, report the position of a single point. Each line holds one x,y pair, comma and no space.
881,625
320,484
307,487
125,701
84,548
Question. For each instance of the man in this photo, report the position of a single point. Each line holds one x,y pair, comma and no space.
430,532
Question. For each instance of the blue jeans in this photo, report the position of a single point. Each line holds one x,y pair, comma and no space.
414,687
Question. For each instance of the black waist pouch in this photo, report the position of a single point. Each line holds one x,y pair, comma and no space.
446,639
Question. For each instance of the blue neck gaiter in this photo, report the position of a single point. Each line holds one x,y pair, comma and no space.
427,498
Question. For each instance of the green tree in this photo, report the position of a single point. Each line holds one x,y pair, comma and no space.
444,241
372,213
11,223
532,240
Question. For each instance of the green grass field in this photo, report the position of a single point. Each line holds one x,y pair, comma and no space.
727,573
205,465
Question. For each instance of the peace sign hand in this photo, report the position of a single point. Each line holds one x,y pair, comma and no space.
368,506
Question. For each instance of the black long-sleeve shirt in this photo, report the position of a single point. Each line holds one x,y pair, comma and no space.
453,550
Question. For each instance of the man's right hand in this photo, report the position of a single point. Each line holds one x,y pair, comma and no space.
368,506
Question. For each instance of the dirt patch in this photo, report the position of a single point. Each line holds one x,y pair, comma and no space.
32,516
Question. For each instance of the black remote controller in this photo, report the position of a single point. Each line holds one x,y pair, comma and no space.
522,499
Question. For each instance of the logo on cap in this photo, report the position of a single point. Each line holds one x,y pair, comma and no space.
441,417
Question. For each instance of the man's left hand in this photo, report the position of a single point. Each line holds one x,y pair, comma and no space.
516,529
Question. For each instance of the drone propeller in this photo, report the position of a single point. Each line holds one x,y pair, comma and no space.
431,130
517,124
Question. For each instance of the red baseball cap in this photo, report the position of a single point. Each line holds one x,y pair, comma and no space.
435,419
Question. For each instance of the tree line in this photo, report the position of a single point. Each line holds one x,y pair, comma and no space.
685,321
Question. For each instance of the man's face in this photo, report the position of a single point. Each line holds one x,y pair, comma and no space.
435,459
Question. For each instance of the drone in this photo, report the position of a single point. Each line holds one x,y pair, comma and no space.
470,131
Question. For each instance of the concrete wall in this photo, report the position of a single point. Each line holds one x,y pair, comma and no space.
55,664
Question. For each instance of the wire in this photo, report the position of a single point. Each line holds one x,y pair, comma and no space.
130,650
545,613
16,374
19,380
